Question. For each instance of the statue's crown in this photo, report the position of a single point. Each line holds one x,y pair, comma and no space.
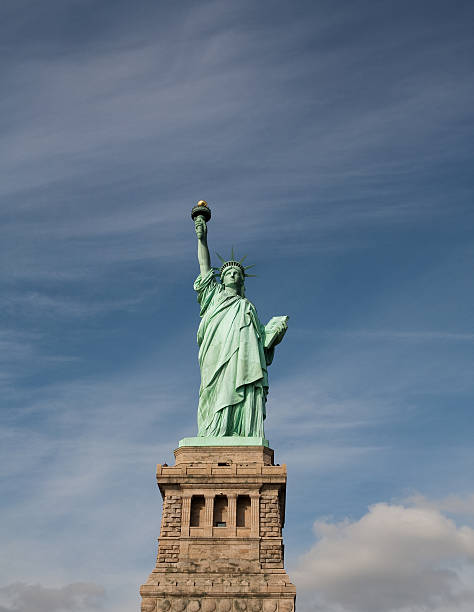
233,263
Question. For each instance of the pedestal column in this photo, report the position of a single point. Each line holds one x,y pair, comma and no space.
255,515
232,513
186,514
208,515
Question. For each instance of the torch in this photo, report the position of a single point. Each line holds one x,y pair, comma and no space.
201,210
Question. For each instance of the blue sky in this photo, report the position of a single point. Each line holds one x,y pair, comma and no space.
333,142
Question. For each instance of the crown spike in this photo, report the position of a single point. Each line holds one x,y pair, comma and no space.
234,262
243,259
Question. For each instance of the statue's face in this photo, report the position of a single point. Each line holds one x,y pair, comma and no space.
233,278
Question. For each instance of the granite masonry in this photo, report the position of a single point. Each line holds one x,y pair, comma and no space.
220,547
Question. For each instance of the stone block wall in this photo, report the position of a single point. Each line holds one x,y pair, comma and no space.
171,520
168,549
271,554
168,553
270,521
271,545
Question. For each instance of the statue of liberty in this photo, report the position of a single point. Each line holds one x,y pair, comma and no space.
235,349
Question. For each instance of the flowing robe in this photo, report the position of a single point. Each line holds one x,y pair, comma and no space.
233,362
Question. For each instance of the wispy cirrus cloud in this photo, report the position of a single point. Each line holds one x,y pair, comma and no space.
421,335
106,119
36,304
87,476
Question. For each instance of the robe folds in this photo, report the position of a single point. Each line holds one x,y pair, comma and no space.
233,362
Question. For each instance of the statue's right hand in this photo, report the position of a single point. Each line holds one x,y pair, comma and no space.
201,227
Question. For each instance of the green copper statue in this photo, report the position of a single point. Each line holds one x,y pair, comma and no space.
234,347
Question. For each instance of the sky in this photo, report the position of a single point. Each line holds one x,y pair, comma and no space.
334,144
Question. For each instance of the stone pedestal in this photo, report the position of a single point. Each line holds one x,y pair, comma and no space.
220,547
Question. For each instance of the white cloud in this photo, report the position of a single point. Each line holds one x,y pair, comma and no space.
453,504
21,597
394,558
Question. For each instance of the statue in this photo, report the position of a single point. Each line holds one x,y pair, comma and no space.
234,347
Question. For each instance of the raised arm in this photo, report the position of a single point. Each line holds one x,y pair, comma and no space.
203,252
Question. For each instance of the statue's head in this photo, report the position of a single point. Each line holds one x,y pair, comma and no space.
233,273
232,276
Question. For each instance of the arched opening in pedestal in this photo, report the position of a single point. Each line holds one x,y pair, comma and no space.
198,505
243,511
220,511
